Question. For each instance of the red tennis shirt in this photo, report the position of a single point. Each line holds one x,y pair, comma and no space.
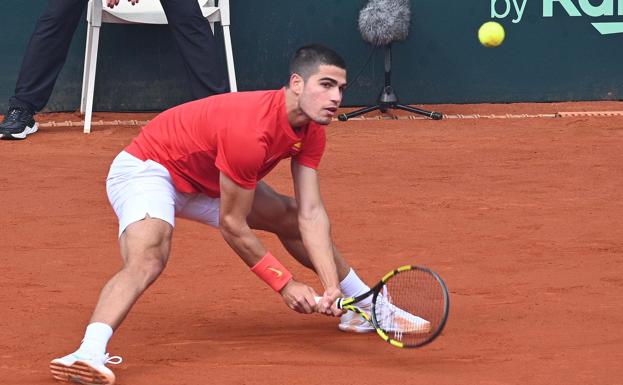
243,135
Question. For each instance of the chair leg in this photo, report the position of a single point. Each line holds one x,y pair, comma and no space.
87,68
229,56
90,81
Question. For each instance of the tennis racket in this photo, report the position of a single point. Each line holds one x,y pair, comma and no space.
409,306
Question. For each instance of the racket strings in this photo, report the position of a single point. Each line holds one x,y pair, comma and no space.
411,307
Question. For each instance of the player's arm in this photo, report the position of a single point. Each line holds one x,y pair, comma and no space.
315,229
236,204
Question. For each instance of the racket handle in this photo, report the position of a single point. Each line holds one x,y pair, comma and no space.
338,302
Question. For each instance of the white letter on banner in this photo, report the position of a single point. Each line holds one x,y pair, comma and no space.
548,6
520,10
605,9
495,14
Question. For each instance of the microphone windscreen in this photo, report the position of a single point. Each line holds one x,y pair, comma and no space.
382,22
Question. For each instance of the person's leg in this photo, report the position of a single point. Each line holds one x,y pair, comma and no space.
42,62
198,47
46,53
143,197
145,247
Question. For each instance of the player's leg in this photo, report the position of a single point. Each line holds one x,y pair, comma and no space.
143,197
145,247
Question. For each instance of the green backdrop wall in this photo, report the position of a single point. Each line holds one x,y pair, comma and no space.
552,52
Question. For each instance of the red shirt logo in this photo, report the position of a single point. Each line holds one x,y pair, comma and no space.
296,148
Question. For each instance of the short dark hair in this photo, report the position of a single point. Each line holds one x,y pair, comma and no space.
307,59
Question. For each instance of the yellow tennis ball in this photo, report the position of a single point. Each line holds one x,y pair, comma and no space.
491,34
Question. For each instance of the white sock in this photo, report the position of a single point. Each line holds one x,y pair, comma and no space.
95,339
353,286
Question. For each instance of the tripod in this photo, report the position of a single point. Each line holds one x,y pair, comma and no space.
388,98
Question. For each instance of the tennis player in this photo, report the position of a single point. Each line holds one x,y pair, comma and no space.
205,161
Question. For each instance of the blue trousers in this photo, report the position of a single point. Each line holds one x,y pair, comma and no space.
48,47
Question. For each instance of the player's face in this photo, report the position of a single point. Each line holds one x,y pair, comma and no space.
322,93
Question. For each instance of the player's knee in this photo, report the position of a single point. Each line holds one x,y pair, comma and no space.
146,269
147,261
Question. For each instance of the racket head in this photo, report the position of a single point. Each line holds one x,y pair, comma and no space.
410,306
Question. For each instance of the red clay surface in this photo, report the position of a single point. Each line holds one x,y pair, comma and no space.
521,217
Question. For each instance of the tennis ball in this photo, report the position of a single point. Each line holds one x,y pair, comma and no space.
491,34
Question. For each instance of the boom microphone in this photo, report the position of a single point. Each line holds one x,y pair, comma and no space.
382,22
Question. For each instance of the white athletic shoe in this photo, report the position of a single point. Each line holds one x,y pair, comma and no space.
86,370
389,317
352,322
393,319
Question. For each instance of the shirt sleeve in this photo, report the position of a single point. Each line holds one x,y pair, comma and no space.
312,148
240,157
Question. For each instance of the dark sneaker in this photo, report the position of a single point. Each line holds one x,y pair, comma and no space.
17,124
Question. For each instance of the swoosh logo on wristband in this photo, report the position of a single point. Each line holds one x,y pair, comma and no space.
277,272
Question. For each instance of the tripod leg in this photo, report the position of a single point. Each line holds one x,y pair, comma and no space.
345,117
430,114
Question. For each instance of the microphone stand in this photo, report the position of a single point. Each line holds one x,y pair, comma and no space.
387,98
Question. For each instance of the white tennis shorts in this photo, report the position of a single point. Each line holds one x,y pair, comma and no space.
139,188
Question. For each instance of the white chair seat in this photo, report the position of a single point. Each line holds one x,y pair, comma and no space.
145,12
149,12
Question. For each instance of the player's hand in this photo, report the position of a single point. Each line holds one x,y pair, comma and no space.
299,297
326,305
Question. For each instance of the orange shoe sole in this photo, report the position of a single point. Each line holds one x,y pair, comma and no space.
80,373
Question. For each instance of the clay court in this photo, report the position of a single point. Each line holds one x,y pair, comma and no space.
521,216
